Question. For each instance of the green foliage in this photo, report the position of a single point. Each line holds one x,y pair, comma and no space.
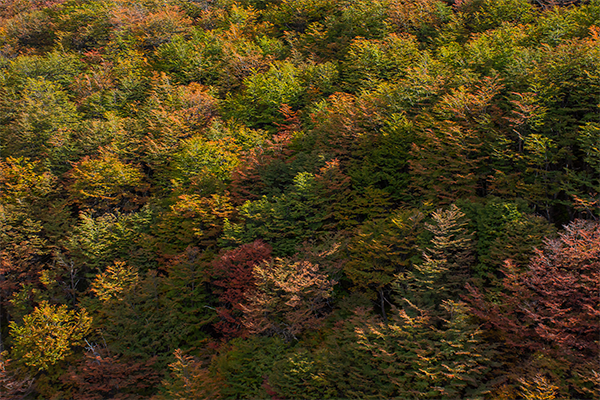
584,185
243,364
26,242
106,136
285,221
205,164
151,316
446,265
330,37
563,23
496,50
84,25
96,241
299,375
57,67
43,124
245,138
490,220
482,15
383,248
264,94
407,357
384,161
192,220
371,61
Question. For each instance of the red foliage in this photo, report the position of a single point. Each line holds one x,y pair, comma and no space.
233,270
13,386
17,271
553,305
291,120
269,389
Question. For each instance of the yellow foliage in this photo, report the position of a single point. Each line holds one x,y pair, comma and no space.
48,334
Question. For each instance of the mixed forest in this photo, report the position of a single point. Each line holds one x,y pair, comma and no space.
299,199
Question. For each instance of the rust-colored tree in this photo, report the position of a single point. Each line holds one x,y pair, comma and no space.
101,376
551,308
234,273
266,167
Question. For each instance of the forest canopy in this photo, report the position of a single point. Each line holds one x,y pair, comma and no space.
299,199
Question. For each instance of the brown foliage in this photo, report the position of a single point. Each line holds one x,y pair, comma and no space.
12,386
247,181
102,376
453,161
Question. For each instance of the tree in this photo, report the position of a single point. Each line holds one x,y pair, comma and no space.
203,164
551,307
371,61
48,335
44,133
452,160
265,93
190,379
504,230
24,244
97,241
407,357
241,365
382,249
233,271
284,221
583,185
11,385
99,376
192,220
290,297
106,181
131,309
